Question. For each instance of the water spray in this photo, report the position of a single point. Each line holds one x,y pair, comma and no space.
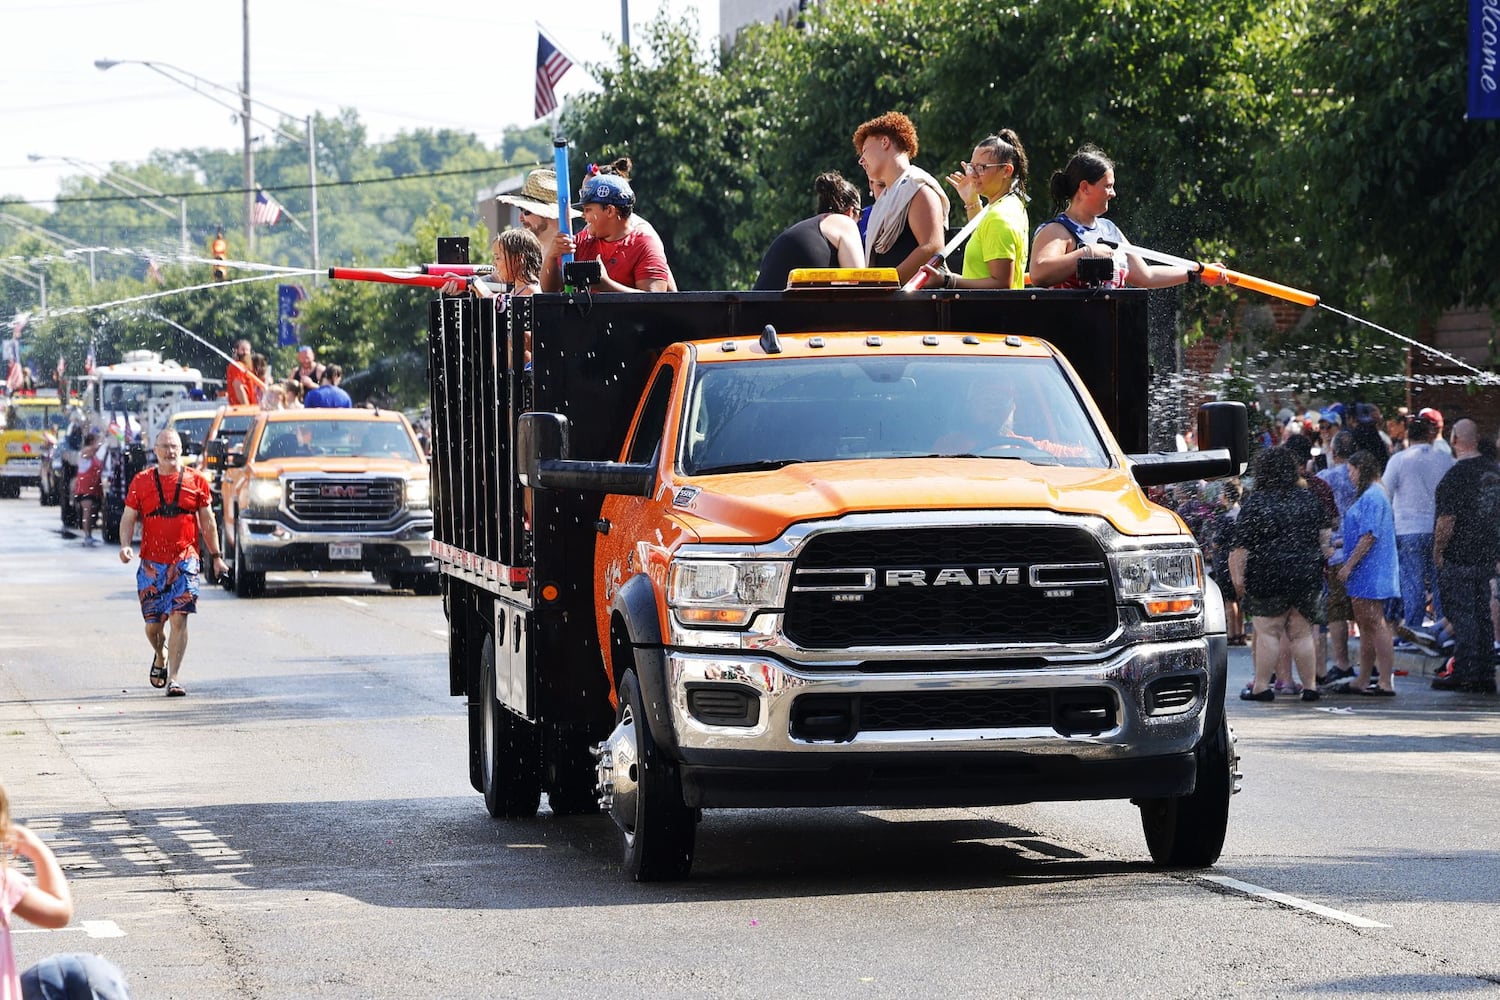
1301,298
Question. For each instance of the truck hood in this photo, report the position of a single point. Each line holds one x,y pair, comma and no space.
758,506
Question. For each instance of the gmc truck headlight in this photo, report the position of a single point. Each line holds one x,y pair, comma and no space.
265,493
418,493
724,593
1165,582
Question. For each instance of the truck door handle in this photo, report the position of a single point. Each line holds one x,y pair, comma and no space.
602,525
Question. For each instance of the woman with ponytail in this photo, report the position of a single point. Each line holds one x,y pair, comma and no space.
993,186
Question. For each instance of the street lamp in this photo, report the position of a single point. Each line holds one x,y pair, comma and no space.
117,181
193,83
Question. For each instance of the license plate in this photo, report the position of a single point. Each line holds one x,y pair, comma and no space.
27,465
345,550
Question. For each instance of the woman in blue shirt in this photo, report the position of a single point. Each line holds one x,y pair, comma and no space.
1369,571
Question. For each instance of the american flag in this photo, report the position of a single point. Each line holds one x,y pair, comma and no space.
551,64
88,360
267,209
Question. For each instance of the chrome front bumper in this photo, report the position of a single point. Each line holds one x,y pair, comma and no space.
266,539
1137,732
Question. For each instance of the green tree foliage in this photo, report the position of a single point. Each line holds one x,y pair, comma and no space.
1384,181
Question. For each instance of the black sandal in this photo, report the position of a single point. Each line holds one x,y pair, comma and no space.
158,674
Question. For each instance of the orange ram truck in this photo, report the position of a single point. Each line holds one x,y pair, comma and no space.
838,546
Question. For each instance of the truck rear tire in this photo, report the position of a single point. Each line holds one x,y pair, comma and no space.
1188,831
509,751
10,488
657,827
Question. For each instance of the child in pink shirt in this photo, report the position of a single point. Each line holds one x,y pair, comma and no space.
45,902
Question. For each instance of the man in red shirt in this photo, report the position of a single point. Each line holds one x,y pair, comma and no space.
633,258
239,381
173,505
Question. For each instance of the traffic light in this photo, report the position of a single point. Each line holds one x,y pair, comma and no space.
220,249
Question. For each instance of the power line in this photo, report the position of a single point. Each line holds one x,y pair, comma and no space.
222,192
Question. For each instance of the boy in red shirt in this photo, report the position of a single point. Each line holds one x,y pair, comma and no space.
631,251
173,505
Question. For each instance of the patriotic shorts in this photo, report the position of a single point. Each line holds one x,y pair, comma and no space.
167,589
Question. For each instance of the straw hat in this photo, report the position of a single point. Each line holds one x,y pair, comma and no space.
538,195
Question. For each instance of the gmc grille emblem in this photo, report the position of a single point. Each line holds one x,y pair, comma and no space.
954,576
337,491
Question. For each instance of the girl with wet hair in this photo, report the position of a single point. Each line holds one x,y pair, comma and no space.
1084,189
993,186
828,239
518,261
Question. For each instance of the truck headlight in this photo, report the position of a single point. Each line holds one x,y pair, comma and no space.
265,493
704,592
418,493
1165,582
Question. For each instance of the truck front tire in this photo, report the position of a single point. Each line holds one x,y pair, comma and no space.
508,751
658,829
1188,831
246,582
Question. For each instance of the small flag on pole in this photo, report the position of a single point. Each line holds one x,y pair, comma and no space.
62,369
551,64
14,379
88,360
267,209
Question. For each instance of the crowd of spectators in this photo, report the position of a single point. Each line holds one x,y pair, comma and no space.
1352,524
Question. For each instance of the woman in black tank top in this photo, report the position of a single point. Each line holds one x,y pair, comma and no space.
828,239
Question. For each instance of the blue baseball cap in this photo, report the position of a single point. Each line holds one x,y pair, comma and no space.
606,189
1333,414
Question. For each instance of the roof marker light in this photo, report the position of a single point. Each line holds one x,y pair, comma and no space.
1012,341
930,340
873,340
971,340
729,347
815,342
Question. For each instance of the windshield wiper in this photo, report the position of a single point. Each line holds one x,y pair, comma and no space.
1038,460
763,466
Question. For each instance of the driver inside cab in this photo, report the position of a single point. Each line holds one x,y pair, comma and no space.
987,427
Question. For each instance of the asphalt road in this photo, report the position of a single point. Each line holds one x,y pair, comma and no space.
301,825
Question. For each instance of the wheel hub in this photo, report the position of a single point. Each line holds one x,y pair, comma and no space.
618,775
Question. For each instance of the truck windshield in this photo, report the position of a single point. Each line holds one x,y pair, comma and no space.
766,414
337,438
124,395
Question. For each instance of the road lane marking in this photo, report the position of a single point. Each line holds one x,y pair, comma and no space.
93,928
356,603
1292,901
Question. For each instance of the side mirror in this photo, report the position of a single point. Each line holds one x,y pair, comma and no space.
540,437
542,447
1226,425
1224,436
213,455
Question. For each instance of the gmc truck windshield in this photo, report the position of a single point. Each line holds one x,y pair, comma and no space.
764,415
337,438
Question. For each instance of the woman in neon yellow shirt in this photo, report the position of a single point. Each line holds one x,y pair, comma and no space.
993,184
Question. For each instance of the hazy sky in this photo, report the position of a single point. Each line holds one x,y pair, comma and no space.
402,64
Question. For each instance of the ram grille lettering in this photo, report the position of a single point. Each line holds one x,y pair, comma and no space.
954,576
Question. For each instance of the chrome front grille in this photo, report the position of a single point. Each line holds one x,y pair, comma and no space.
987,584
343,499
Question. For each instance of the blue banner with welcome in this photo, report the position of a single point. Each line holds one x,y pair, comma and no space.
1484,58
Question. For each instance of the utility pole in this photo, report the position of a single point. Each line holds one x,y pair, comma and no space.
249,150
